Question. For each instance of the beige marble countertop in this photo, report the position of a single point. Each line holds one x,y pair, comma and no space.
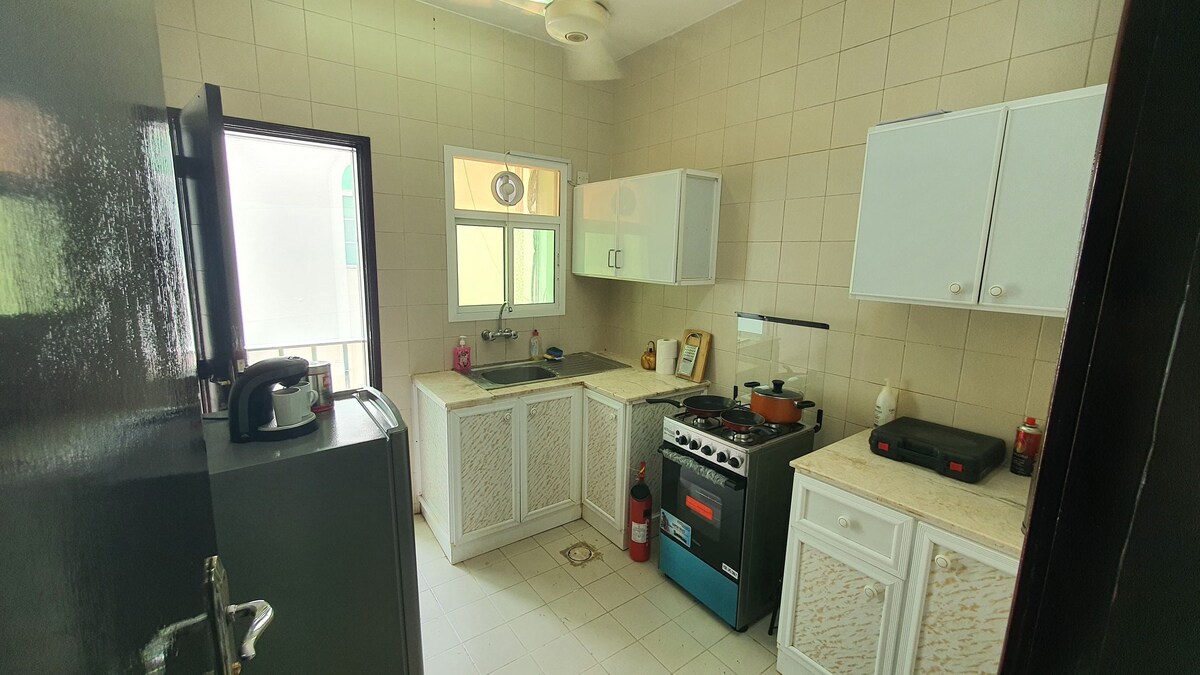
989,512
628,385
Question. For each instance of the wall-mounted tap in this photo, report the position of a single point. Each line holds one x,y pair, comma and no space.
501,331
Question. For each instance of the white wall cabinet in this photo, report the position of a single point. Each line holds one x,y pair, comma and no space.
855,600
656,228
980,208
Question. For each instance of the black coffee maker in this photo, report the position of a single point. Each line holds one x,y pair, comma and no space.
250,408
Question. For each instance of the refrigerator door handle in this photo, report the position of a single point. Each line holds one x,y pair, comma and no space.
380,408
263,614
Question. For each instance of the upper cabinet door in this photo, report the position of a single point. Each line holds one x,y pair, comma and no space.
1041,201
595,230
927,198
648,223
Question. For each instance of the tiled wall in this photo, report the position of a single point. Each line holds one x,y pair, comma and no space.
413,78
777,95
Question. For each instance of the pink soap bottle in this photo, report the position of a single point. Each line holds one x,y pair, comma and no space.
462,355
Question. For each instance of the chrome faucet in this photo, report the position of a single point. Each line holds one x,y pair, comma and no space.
501,331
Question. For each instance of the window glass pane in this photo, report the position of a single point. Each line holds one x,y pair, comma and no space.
533,266
296,229
480,265
473,187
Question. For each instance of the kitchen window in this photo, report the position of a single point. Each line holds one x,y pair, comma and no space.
505,223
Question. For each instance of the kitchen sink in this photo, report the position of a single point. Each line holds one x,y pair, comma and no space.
519,372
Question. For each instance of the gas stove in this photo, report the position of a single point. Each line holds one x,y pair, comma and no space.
707,439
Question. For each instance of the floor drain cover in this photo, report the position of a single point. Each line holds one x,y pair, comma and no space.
581,553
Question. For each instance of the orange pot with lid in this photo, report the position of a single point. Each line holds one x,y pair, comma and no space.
776,404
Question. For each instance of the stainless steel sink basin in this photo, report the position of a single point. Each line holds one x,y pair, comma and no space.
517,374
500,375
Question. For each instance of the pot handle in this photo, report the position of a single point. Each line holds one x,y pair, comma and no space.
677,404
801,405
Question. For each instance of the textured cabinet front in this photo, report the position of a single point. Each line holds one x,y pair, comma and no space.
842,613
486,475
958,605
550,442
645,436
602,432
434,449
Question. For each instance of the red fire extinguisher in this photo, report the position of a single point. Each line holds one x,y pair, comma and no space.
639,518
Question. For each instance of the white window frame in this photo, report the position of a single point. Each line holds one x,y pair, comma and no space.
558,224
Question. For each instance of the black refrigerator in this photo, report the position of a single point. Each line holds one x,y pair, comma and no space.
322,525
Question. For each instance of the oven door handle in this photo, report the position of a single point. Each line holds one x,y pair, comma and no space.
712,475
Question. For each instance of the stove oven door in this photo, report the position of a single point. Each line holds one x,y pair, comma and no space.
702,511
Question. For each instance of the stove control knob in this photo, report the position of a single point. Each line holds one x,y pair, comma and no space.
735,462
680,439
694,445
721,457
707,450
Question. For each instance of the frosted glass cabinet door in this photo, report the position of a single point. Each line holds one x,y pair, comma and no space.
925,206
552,447
1041,199
487,438
595,229
647,223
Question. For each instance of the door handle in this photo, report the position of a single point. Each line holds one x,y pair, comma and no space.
612,258
617,258
263,614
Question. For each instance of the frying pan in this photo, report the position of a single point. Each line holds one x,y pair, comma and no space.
700,406
741,420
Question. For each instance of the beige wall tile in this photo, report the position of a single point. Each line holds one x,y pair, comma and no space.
990,422
418,100
1046,24
916,54
938,326
338,8
779,12
816,82
762,261
231,19
770,180
766,221
807,175
329,38
840,220
179,53
376,91
1047,72
861,69
745,60
922,407
994,381
759,297
228,63
910,99
1002,333
332,83
1040,389
980,36
876,360
1100,61
974,87
839,352
175,13
835,307
833,268
836,389
852,117
798,265
1108,16
279,26
383,130
734,222
802,219
731,260
1050,339
931,370
860,402
913,13
882,319
292,111
780,47
374,13
812,129
794,300
746,19
866,20
741,103
776,93
283,73
845,169
820,33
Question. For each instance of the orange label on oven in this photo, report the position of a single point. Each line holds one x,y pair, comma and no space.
699,507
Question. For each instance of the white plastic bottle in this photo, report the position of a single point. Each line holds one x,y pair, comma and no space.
535,346
885,404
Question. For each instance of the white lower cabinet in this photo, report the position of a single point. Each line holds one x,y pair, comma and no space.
551,459
848,609
487,459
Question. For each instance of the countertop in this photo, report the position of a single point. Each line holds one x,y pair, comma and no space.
628,385
989,512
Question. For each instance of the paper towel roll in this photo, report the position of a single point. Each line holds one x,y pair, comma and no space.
664,366
667,348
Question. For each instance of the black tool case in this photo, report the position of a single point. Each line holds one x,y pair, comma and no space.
962,455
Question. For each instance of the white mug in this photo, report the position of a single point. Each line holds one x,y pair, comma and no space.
292,405
305,385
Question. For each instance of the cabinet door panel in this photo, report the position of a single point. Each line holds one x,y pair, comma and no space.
552,441
925,207
602,433
1041,200
958,605
647,223
486,471
841,613
595,229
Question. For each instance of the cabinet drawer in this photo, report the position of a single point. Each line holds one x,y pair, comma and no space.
878,534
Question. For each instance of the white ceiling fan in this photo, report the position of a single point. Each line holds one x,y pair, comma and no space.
582,26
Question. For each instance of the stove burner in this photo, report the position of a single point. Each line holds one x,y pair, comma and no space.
748,438
705,423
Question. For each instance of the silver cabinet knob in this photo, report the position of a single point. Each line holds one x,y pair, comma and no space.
843,522
872,591
955,288
996,291
507,417
941,561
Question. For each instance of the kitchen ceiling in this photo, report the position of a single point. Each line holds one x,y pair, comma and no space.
635,23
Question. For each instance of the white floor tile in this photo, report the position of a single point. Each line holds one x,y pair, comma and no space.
494,649
642,576
430,609
614,557
437,636
611,591
516,600
639,617
537,628
603,637
703,625
564,656
474,619
453,662
672,646
633,659
758,631
543,538
589,571
497,577
670,599
483,560
533,562
522,666
705,664
457,593
556,547
577,526
554,584
576,608
437,571
742,654
519,547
